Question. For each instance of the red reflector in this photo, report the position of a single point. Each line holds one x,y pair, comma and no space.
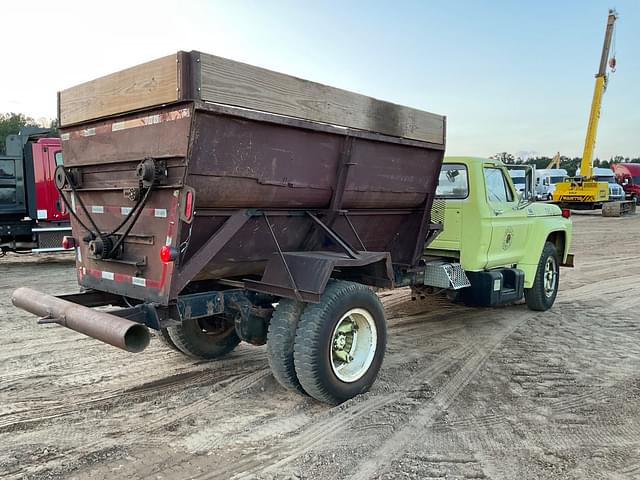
168,254
188,205
68,242
566,213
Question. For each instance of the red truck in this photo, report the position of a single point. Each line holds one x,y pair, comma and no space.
628,175
32,215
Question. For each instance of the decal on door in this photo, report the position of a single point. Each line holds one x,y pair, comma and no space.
508,238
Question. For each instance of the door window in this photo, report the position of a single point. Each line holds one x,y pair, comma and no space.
453,181
497,187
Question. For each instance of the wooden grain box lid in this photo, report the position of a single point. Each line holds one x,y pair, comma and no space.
200,76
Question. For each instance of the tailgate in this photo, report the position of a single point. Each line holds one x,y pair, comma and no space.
125,184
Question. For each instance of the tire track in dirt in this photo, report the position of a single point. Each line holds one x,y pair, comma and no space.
204,375
228,387
325,432
424,417
333,422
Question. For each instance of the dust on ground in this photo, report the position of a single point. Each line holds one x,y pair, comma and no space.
464,393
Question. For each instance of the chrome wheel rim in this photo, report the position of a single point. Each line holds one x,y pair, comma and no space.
353,345
550,277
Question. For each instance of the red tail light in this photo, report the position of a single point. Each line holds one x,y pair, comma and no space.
68,242
188,205
566,213
168,254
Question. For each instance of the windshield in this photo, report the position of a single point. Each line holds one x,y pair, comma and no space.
636,180
556,179
518,180
605,178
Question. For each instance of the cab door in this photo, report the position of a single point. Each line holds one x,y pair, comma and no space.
509,224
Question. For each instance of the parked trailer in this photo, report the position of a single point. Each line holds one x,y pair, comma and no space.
217,202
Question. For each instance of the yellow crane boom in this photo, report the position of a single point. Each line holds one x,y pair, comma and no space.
585,191
586,166
555,161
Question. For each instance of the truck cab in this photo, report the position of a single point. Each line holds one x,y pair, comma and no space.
616,192
32,214
518,179
628,176
498,237
546,180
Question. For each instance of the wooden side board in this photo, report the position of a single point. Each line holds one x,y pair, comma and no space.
145,85
233,83
200,76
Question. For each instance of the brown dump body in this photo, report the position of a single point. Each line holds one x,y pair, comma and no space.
267,186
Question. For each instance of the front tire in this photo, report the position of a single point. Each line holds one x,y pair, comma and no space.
542,294
205,338
340,342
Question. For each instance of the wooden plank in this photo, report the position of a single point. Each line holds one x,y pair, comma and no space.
149,84
233,83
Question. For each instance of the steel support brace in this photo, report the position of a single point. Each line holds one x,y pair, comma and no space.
333,235
292,281
209,250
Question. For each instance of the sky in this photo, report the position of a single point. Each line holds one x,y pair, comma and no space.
510,76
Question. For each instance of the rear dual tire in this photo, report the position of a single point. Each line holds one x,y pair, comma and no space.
280,341
202,338
338,345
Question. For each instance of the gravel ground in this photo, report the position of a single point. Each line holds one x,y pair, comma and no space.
464,393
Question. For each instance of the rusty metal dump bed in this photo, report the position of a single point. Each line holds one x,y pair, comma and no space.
256,180
271,202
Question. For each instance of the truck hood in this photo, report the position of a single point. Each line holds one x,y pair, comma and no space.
542,210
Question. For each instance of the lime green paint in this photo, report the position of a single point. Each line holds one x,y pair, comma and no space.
484,233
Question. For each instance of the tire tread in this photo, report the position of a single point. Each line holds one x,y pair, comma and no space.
280,341
534,296
308,337
182,336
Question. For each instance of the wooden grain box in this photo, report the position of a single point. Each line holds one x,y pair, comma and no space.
196,76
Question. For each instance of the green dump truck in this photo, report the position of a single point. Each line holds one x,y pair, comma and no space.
217,203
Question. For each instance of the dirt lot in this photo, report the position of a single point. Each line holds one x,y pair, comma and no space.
464,393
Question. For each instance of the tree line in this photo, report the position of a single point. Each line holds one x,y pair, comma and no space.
568,163
11,123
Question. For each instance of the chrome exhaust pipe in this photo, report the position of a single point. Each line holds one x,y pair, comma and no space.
119,332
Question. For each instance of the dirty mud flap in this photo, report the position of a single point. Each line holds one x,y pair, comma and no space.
569,261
